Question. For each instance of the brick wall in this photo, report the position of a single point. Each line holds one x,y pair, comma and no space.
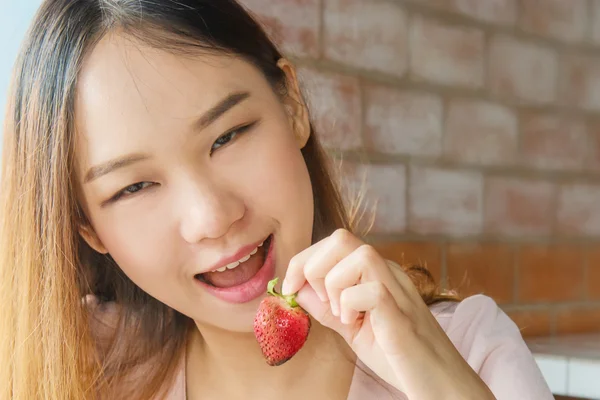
478,125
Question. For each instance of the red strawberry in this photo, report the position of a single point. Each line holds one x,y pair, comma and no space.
281,326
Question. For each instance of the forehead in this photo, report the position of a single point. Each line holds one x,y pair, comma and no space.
126,72
126,88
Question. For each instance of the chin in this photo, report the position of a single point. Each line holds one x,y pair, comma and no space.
236,322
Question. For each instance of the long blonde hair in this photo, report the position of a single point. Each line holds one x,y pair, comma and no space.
46,342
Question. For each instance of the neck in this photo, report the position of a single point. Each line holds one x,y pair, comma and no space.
216,355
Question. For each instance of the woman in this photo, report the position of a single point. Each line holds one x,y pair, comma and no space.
160,164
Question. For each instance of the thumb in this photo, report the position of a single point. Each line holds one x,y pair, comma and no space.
308,299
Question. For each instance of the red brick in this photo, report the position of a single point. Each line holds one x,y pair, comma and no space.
551,142
381,190
445,5
335,103
446,54
481,268
480,132
370,35
579,210
401,122
522,70
559,19
519,207
593,269
550,273
502,12
595,21
593,161
445,201
294,24
578,320
533,323
426,254
580,82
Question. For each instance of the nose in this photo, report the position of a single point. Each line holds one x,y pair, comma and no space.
209,211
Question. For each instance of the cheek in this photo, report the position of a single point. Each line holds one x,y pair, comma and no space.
278,184
138,244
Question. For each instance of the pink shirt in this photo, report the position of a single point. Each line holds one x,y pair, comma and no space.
486,338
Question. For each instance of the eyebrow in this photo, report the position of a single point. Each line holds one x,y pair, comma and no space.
205,120
221,108
109,166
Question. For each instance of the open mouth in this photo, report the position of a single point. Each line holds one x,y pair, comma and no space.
238,272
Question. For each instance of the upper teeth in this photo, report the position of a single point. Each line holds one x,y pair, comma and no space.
238,262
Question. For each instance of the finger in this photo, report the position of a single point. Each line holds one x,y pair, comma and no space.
362,297
314,263
388,323
345,274
307,298
348,272
294,276
391,324
387,319
357,299
362,265
348,316
331,254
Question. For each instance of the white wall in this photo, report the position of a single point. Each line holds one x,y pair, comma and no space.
15,16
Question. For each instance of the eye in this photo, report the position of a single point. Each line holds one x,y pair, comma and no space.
131,189
229,136
223,140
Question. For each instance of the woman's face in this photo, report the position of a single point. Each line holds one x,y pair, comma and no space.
185,166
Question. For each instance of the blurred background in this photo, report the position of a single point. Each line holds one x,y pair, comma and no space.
477,126
477,123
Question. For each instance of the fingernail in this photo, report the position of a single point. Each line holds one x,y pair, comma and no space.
285,288
344,319
335,309
323,297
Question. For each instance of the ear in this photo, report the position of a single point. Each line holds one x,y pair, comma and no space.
294,104
91,238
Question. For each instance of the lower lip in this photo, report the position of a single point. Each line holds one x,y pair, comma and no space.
249,290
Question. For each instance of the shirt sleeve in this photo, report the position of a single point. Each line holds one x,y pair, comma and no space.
493,346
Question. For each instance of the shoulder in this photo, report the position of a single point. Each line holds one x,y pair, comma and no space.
475,313
478,314
493,346
477,323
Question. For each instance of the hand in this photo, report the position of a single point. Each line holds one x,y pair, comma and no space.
347,286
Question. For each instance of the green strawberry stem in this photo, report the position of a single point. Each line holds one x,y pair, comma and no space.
290,299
